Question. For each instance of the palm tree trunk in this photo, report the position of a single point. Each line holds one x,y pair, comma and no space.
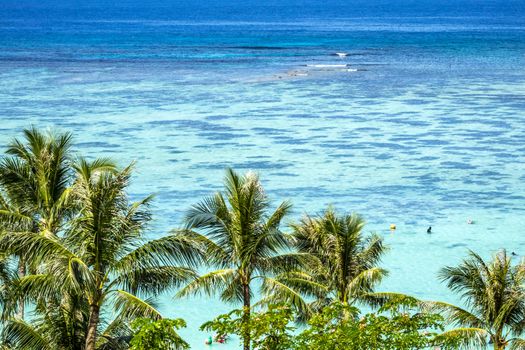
499,344
246,316
21,273
94,316
342,294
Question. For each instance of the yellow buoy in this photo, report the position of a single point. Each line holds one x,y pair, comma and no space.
392,226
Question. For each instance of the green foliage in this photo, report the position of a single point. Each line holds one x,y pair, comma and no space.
343,262
157,335
268,330
400,330
35,176
272,329
393,327
494,292
243,241
77,242
83,242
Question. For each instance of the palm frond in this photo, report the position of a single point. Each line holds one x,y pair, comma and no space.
365,281
154,280
209,283
15,219
212,217
34,247
130,306
21,335
273,222
281,293
454,314
347,259
380,299
286,262
463,338
180,247
517,344
116,336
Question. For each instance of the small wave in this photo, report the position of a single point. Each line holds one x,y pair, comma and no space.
348,54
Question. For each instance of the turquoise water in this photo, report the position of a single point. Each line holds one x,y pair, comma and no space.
425,126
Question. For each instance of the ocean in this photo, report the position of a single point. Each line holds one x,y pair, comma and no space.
420,123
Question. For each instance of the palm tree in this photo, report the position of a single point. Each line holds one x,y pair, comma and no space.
243,241
345,261
494,294
7,276
63,327
101,262
35,178
34,186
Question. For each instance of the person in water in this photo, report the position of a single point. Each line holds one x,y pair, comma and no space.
429,229
221,338
209,341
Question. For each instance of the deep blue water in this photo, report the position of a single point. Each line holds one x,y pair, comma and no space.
422,123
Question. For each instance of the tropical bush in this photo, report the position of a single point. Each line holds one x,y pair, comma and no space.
157,335
270,329
338,326
395,326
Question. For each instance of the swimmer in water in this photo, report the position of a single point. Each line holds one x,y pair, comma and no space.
470,221
514,254
209,341
429,229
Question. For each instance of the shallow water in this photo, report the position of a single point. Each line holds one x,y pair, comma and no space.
425,126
